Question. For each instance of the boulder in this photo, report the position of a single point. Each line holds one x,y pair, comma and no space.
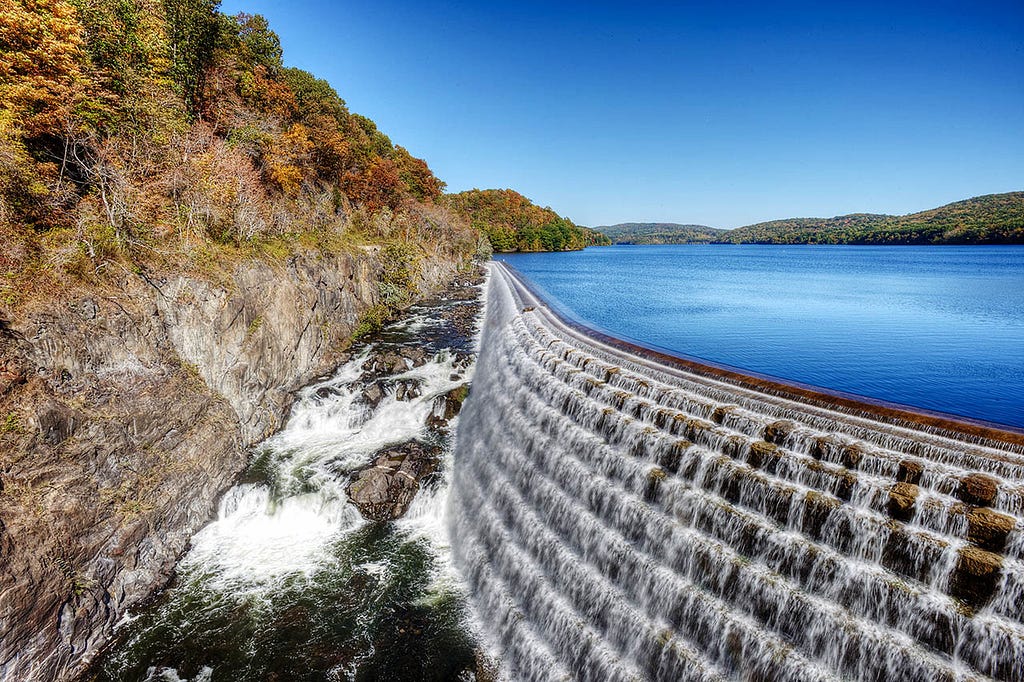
446,406
383,363
910,471
414,355
373,394
407,389
384,490
778,431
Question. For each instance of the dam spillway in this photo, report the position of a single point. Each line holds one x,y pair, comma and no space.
622,515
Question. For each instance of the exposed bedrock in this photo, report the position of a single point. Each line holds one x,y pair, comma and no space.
126,411
623,517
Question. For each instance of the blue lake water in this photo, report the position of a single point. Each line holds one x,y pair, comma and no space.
938,327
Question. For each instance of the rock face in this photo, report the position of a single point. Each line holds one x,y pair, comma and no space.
446,406
125,413
385,489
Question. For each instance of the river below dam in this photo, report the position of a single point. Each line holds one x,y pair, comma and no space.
936,327
290,582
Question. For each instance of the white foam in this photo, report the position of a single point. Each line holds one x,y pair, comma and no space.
265,531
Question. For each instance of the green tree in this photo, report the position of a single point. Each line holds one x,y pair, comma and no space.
192,32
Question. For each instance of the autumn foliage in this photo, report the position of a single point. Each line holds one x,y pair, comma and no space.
514,223
134,127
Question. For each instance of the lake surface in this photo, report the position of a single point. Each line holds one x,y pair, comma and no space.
937,327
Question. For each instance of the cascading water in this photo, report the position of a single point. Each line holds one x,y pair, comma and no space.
290,582
616,518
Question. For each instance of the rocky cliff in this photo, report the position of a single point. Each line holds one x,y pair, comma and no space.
124,413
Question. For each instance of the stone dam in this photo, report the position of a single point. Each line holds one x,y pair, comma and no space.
622,514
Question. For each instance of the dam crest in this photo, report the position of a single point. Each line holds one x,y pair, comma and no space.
622,514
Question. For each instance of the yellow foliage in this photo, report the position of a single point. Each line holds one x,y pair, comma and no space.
41,60
287,157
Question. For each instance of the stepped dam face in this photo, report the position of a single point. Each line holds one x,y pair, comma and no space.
620,515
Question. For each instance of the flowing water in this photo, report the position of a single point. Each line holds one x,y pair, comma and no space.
610,518
936,327
289,582
617,519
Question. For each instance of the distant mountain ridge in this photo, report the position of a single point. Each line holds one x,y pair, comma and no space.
988,219
660,233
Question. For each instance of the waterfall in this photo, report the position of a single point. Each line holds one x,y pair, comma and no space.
289,581
620,518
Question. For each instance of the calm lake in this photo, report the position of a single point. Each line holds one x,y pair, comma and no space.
938,327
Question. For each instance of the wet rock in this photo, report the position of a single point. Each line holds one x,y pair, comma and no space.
722,412
407,389
384,363
817,508
778,431
852,455
416,356
373,394
978,489
446,406
988,529
384,490
325,392
763,455
975,577
902,497
910,471
462,317
846,481
823,447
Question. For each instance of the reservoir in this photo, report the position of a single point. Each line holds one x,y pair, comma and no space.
934,327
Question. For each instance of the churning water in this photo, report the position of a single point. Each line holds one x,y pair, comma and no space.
289,582
934,326
616,519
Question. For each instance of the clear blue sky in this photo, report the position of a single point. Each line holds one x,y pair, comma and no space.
715,113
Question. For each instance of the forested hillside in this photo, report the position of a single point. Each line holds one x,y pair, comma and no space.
659,233
514,223
989,219
146,131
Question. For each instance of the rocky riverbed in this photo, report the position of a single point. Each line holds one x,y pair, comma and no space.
329,559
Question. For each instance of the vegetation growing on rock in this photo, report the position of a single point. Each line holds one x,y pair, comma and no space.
136,132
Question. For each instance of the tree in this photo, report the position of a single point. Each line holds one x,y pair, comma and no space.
41,60
192,32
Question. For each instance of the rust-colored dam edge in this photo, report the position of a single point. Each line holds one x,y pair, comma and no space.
938,423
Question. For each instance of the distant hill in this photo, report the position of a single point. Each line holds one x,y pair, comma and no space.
660,233
989,219
514,223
